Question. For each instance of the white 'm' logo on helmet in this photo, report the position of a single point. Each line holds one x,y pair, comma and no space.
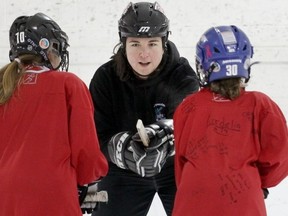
144,29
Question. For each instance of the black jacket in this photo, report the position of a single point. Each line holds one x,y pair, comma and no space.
119,104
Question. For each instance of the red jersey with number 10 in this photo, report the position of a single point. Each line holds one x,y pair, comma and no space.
48,145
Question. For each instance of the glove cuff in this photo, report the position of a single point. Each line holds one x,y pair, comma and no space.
116,148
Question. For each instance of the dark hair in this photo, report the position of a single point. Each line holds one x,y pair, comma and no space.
228,88
122,66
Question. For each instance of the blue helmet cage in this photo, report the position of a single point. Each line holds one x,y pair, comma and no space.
223,52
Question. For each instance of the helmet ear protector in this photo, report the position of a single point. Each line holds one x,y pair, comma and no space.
143,19
223,52
38,35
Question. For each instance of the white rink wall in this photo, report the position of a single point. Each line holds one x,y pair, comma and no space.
92,28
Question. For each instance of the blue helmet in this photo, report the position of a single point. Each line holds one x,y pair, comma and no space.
223,52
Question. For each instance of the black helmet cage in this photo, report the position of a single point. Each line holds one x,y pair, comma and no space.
143,19
37,35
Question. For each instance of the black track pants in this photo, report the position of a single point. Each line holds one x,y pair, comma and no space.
131,195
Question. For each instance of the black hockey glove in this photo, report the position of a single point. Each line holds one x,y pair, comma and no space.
150,160
265,192
88,203
117,147
82,192
130,153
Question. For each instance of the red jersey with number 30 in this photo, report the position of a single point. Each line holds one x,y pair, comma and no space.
226,151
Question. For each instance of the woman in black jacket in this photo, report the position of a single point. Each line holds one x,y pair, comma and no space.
145,79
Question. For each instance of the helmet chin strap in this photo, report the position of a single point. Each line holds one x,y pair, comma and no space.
64,64
210,70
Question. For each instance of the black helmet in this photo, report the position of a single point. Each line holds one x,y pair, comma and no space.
143,19
35,35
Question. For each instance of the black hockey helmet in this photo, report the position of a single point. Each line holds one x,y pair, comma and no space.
36,35
143,19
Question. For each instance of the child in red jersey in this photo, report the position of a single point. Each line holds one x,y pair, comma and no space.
230,143
48,140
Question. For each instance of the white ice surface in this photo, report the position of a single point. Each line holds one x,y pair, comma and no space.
92,29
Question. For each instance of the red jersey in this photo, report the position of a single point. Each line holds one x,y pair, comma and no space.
226,151
48,145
